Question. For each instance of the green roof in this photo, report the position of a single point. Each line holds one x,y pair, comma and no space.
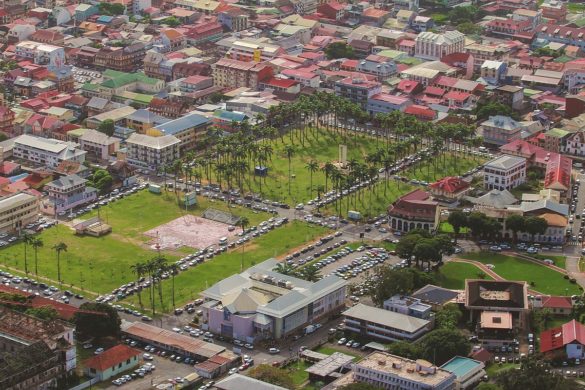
563,59
90,87
115,79
77,132
559,133
394,54
137,97
531,92
409,61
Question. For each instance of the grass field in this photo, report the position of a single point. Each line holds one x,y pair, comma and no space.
496,368
559,261
298,373
541,278
576,8
330,351
275,243
445,227
452,275
453,164
322,148
102,264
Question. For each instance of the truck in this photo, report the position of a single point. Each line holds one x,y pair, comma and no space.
309,329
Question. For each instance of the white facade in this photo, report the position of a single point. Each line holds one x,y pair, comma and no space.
504,173
152,153
47,152
575,144
18,210
432,46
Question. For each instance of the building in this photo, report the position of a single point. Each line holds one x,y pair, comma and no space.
558,305
449,188
123,59
497,308
152,153
260,303
46,152
383,103
555,10
414,210
377,65
67,193
394,372
504,173
217,365
358,88
228,73
435,296
432,46
493,71
571,36
98,145
190,129
510,95
499,130
326,368
564,342
409,306
238,382
469,372
112,362
35,353
18,210
384,325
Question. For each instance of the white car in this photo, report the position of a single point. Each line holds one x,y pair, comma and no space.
273,351
98,351
147,356
233,371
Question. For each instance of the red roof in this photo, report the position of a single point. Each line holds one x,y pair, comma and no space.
420,111
455,58
407,86
415,204
435,91
111,357
65,311
455,95
450,184
282,83
568,333
557,302
558,171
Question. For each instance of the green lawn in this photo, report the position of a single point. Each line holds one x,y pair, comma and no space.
275,243
452,275
445,227
298,373
371,202
451,164
331,350
496,368
559,261
321,147
541,278
576,8
102,264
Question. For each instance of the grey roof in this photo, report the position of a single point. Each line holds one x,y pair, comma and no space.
330,364
97,102
97,137
239,382
11,201
504,162
495,198
502,122
387,318
152,142
46,144
183,123
435,294
67,182
546,204
146,116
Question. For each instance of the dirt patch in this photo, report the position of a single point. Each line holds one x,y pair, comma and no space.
188,230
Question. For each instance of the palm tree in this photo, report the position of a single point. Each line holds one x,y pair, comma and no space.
290,151
173,269
139,269
310,273
312,166
283,268
26,239
36,244
59,247
243,223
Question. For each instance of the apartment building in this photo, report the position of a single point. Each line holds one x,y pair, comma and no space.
230,73
499,130
384,103
394,372
483,52
67,193
41,53
555,10
189,129
46,151
358,88
123,59
376,65
572,36
18,210
504,173
432,46
99,145
258,50
152,153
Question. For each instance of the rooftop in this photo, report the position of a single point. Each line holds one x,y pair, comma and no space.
462,366
496,320
387,318
111,357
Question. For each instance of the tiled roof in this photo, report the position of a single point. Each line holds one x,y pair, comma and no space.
568,333
111,357
450,184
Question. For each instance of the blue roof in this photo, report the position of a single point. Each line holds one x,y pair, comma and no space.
461,366
230,115
187,122
105,19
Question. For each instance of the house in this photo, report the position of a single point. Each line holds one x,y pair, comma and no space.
261,303
564,342
449,188
414,210
435,296
376,65
98,144
510,95
432,46
384,325
84,11
358,88
385,103
504,173
557,305
152,153
374,16
555,10
67,193
408,305
493,71
217,365
111,362
233,19
332,10
500,130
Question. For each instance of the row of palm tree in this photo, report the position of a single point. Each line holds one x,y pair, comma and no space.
309,272
154,269
36,243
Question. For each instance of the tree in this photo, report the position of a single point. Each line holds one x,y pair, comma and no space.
243,223
107,126
312,166
440,345
97,320
284,268
58,248
273,375
36,244
359,386
488,386
531,375
290,151
484,110
535,225
469,28
459,15
111,9
404,349
390,283
172,21
101,180
516,223
310,273
457,219
46,313
406,245
448,317
339,50
26,240
139,269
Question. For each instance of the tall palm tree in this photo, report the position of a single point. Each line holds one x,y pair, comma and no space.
312,166
290,151
243,223
284,268
173,269
139,269
310,273
58,248
26,239
36,244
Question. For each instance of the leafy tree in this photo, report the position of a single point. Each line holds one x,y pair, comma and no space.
360,386
58,248
404,349
440,345
469,28
459,15
339,50
112,9
531,375
406,245
457,219
96,324
448,317
516,223
419,278
548,52
273,375
107,127
172,22
101,180
535,225
46,313
485,109
488,386
392,282
426,250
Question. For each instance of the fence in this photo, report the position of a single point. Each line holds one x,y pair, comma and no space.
85,385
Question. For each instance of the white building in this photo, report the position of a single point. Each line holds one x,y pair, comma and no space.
394,372
152,153
432,46
575,144
18,210
504,173
469,372
41,53
99,144
385,325
67,193
46,151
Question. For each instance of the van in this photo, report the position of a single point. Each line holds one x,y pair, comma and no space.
223,241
